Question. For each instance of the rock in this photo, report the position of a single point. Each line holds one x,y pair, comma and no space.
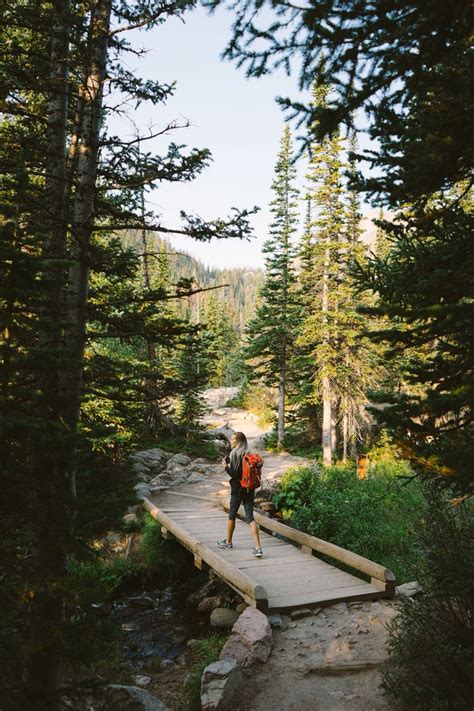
276,621
224,618
142,490
241,607
208,604
303,612
141,601
408,590
142,680
178,461
130,518
220,683
267,506
149,462
251,639
132,698
192,643
219,397
206,590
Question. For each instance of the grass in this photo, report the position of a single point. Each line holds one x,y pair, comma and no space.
204,652
376,518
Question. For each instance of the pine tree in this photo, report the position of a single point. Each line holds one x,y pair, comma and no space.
193,373
318,332
271,333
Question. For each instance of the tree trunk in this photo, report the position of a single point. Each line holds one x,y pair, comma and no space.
281,408
326,385
345,437
333,430
51,504
327,422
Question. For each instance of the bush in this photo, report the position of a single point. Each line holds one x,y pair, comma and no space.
375,517
160,557
203,653
431,662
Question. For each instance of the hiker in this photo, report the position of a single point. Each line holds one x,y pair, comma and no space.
238,495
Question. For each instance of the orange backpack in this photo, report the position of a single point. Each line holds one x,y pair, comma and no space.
251,472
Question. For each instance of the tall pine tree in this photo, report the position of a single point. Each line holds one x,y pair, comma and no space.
271,333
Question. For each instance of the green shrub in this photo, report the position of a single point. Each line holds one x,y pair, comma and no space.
375,517
204,652
431,644
159,557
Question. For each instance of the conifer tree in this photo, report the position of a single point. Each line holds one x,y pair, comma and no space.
193,373
271,333
318,332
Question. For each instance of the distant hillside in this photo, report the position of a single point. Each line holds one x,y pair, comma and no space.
237,300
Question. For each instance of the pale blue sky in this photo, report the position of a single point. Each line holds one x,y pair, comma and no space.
236,118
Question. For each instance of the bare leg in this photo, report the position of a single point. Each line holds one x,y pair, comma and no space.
255,533
230,530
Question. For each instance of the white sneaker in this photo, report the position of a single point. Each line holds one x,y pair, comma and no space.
224,544
257,552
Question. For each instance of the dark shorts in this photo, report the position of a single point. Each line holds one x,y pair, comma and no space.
241,496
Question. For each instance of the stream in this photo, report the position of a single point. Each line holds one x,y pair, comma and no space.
156,624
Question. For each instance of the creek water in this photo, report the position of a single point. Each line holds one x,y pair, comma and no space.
156,624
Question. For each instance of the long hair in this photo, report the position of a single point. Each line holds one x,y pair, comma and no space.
238,452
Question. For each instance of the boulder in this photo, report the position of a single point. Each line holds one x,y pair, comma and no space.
251,639
132,698
220,683
241,607
130,518
142,490
142,680
149,462
178,461
223,618
206,590
408,590
208,604
218,397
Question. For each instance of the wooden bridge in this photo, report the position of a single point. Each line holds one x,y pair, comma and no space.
289,575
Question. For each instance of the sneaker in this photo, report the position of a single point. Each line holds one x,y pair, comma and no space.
224,544
257,552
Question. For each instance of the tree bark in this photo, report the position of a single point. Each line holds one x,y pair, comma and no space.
326,385
51,504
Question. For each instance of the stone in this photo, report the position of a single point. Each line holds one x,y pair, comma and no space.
267,506
133,698
220,683
142,490
224,618
408,590
141,601
130,518
303,612
275,621
219,397
149,462
208,604
178,461
142,680
251,639
241,607
206,590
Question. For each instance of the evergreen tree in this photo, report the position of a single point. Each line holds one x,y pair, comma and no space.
318,332
271,333
193,374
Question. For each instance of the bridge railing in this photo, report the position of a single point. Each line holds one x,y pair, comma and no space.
380,577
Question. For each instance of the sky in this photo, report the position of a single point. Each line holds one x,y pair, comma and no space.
236,118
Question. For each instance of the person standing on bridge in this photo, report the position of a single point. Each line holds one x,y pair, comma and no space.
238,495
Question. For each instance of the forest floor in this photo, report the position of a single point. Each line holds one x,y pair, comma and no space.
328,660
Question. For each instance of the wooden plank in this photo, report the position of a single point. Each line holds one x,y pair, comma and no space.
281,563
228,572
279,587
327,596
330,549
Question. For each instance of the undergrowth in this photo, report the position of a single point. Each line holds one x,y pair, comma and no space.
431,646
375,517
